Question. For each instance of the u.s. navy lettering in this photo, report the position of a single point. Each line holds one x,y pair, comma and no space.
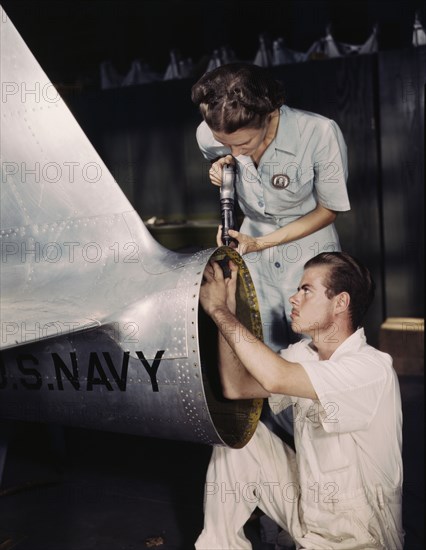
69,371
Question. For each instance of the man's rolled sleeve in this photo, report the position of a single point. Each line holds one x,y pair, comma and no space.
351,387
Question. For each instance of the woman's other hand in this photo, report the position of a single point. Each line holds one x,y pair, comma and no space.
216,169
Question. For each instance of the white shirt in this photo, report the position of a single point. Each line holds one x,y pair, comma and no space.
349,441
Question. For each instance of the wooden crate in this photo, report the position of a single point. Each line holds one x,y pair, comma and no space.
403,339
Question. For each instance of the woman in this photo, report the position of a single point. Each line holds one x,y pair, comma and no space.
291,180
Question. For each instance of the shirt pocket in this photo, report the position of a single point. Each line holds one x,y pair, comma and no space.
298,192
329,449
299,177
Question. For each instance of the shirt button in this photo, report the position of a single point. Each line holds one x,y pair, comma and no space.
260,203
277,264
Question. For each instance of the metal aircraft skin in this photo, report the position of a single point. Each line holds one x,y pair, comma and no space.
100,324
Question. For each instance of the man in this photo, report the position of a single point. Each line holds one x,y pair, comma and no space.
342,488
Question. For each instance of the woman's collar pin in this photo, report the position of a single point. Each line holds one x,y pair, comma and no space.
280,181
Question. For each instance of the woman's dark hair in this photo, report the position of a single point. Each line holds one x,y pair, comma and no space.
347,274
237,95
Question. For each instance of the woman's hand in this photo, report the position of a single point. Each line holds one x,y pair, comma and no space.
245,243
306,225
216,169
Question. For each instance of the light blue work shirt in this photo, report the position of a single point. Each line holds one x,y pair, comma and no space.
310,150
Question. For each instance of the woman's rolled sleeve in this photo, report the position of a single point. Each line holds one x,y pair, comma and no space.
331,169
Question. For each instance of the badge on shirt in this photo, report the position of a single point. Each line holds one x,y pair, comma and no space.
280,181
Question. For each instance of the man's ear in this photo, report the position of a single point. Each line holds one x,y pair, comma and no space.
342,302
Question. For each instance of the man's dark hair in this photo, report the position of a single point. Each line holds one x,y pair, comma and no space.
237,95
347,274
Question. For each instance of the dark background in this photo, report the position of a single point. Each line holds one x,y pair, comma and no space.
71,38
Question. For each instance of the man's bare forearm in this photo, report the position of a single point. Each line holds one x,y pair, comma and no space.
235,341
249,368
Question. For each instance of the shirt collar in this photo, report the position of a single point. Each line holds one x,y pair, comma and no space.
353,344
288,134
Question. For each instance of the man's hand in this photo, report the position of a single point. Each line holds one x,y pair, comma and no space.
216,169
217,292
